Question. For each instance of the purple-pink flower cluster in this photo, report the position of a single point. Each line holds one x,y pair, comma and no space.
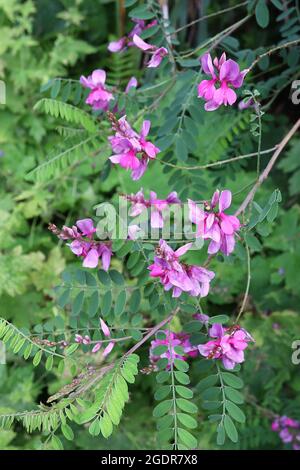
158,206
288,430
131,150
213,224
179,276
171,341
84,245
224,75
126,41
227,344
99,97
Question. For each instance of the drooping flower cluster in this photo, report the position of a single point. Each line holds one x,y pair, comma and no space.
227,344
126,41
224,75
84,245
87,340
213,224
99,97
171,340
179,276
158,206
132,150
288,430
157,53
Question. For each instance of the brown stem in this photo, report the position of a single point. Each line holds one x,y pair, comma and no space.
263,176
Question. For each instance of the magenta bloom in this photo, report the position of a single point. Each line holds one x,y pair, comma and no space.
84,245
126,41
224,75
212,223
172,340
132,150
158,206
157,53
178,276
118,45
227,344
288,430
99,96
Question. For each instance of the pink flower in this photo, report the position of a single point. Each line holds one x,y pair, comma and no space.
99,96
177,276
228,344
158,206
82,339
108,348
157,53
104,328
214,224
132,150
132,83
172,340
96,347
117,46
120,44
83,244
224,74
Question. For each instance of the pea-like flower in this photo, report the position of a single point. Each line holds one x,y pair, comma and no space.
225,75
179,276
212,222
126,41
157,53
84,245
99,96
132,150
227,344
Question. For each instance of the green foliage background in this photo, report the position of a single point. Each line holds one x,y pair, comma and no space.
42,40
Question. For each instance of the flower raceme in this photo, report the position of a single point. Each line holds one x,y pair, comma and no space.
224,75
288,430
212,222
158,206
83,244
87,340
132,150
171,341
157,53
126,41
99,97
179,276
227,344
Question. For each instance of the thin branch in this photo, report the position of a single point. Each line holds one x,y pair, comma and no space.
263,176
220,162
211,15
247,285
272,50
